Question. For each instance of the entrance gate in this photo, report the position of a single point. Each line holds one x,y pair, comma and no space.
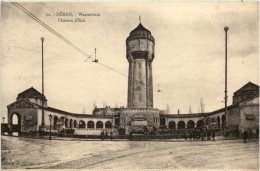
15,124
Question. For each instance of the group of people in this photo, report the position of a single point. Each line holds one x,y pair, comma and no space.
105,134
200,134
195,134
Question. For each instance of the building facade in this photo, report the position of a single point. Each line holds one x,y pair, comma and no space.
242,115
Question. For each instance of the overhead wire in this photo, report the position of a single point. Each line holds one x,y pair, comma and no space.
60,36
48,28
161,91
68,42
175,94
19,47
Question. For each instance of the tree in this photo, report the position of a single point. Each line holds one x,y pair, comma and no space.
202,106
168,109
83,110
94,105
104,104
190,110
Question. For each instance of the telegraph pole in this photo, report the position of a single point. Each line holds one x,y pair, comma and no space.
43,121
226,30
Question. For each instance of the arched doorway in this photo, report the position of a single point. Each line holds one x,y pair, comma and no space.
55,120
82,124
99,124
71,122
108,124
16,123
223,118
75,124
117,121
66,123
172,125
162,121
90,124
218,120
191,124
200,124
181,125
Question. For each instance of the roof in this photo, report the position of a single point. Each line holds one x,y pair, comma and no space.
251,98
27,101
205,114
51,109
76,114
140,27
223,109
30,92
249,86
184,115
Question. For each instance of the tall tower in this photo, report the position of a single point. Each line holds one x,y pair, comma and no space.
140,54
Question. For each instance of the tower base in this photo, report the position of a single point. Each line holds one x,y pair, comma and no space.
137,120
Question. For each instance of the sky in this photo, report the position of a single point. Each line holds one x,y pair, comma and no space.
189,52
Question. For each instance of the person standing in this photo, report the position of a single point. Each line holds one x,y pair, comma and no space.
185,135
130,136
102,134
213,135
245,136
111,134
106,134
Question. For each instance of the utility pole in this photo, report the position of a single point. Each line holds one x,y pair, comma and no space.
43,121
226,30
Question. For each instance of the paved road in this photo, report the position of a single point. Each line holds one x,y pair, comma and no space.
171,154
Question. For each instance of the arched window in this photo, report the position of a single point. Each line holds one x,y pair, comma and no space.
181,125
162,121
75,124
191,124
200,124
71,122
66,123
218,120
172,125
117,121
55,121
90,124
82,124
223,121
108,124
99,124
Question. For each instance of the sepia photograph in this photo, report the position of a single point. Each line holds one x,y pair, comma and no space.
134,85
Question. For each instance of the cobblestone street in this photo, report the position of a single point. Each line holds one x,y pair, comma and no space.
171,154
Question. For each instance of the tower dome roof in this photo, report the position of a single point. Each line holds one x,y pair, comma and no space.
140,27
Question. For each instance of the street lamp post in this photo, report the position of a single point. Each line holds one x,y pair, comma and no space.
50,117
43,121
2,126
226,30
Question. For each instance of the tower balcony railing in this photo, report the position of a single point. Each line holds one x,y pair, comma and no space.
140,109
